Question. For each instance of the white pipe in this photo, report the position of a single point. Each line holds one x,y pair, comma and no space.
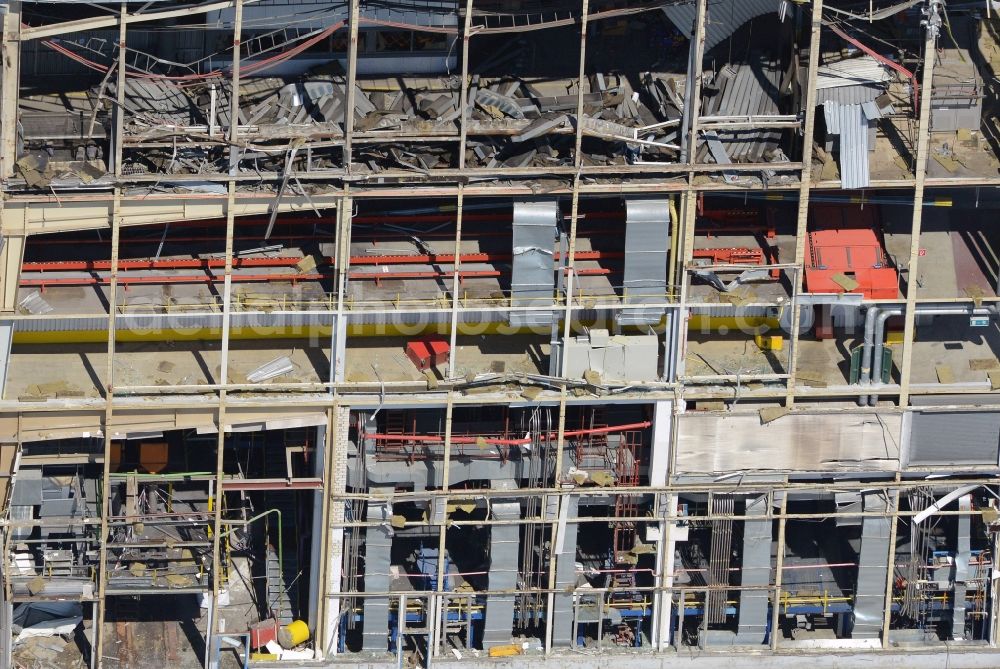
943,502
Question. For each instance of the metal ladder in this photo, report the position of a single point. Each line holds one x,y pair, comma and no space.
523,21
281,577
626,467
279,598
261,44
135,60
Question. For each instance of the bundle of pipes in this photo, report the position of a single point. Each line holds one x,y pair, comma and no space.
875,320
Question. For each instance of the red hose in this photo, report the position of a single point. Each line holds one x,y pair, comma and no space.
885,61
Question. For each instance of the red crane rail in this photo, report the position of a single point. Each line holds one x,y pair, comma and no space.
209,277
287,261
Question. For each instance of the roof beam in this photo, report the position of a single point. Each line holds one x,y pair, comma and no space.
94,23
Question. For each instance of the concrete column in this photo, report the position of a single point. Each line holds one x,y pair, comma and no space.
994,610
336,486
11,256
659,462
6,339
6,615
338,336
10,85
316,538
669,534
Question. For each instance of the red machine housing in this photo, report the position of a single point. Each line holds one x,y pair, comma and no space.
428,352
855,251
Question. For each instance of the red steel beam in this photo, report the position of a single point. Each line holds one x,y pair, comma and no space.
263,278
286,261
459,439
243,278
364,235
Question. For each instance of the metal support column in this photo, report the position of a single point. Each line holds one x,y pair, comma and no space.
933,27
802,220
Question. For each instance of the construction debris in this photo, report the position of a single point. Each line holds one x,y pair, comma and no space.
270,370
770,414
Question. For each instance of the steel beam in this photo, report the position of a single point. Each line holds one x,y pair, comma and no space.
805,187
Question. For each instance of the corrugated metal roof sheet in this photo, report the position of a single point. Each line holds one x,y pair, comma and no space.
871,110
745,90
863,70
723,18
850,123
849,95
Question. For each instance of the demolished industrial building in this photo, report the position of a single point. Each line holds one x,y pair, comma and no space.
396,333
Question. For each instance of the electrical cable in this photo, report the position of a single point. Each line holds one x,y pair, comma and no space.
882,59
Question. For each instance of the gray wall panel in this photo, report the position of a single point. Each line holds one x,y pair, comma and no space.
955,438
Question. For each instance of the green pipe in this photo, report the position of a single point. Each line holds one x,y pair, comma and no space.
179,476
281,541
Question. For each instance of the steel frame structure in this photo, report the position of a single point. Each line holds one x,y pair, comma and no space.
117,207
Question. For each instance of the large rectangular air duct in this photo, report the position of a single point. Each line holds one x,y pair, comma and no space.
756,572
505,545
378,554
532,280
565,555
647,243
873,570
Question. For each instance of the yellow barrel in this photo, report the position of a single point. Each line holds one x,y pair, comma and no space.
293,634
